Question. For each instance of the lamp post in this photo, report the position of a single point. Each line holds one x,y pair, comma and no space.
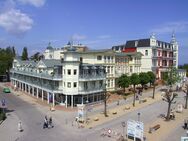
86,108
138,116
123,125
186,92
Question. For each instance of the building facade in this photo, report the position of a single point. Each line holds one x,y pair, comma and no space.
115,63
66,82
158,56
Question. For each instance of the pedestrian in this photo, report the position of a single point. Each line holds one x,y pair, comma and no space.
45,125
118,102
20,129
50,122
185,124
137,98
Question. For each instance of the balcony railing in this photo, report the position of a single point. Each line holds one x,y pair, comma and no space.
83,77
35,74
96,90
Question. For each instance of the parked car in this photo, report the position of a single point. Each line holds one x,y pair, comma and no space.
6,90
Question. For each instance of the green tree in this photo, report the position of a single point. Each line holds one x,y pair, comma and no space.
152,81
37,56
144,78
6,59
171,77
134,79
185,66
124,81
170,80
24,54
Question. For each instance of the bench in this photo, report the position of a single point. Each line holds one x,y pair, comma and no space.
114,112
96,119
127,107
142,100
154,128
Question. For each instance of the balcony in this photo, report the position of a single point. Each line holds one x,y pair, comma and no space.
89,91
35,74
90,77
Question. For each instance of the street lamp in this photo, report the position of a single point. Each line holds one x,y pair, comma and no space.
86,108
138,116
123,125
186,92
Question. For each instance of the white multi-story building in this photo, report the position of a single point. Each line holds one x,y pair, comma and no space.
158,56
68,81
113,62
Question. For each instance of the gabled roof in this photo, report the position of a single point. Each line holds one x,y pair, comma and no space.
129,54
52,62
98,51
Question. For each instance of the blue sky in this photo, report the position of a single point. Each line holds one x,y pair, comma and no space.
95,23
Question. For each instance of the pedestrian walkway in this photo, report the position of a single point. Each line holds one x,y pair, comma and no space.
8,128
113,113
166,127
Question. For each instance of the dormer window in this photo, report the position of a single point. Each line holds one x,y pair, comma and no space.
146,52
136,43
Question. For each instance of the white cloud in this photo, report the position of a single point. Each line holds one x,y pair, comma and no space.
36,3
181,26
15,22
78,37
104,36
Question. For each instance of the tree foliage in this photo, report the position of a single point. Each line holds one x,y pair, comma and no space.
24,54
144,78
37,56
6,58
124,81
151,77
171,77
185,66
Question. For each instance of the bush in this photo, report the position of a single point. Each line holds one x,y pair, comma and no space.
2,116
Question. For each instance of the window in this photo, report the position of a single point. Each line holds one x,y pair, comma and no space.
81,59
69,72
112,69
64,71
69,84
131,69
100,84
146,52
75,84
108,83
85,86
93,84
75,71
108,70
112,83
99,57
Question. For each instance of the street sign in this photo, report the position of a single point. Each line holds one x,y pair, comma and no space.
135,129
184,138
109,131
180,108
3,102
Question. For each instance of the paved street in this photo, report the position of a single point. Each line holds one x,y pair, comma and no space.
32,114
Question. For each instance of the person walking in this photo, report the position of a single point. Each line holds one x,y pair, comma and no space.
45,125
20,129
50,122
